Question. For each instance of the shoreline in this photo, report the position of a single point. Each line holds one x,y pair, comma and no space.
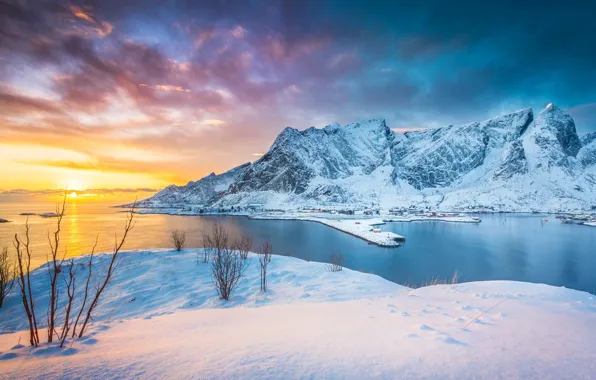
361,228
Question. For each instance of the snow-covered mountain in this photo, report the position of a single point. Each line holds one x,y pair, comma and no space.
204,191
514,162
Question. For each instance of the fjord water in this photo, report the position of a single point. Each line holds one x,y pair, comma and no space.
519,247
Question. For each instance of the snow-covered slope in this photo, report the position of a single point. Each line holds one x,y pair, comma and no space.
169,323
514,162
202,192
312,164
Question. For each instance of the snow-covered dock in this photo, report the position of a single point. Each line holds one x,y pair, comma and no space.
365,229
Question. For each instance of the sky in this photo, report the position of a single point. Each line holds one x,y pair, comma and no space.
112,96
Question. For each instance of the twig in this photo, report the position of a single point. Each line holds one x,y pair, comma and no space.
486,311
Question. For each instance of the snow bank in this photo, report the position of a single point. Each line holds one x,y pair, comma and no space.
148,283
312,324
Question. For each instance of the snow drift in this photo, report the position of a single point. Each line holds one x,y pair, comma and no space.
162,319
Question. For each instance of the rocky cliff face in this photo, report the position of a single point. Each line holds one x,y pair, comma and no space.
515,162
439,157
297,157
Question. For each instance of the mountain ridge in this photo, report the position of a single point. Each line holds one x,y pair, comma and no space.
513,162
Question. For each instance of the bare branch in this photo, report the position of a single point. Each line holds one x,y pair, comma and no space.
24,281
243,246
70,289
118,246
8,275
265,254
54,268
227,267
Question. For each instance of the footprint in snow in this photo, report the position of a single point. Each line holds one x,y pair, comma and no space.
481,322
413,336
405,314
449,340
425,327
8,356
392,311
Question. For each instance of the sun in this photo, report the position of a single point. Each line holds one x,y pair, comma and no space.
73,194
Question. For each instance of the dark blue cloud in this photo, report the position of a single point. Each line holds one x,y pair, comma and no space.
415,63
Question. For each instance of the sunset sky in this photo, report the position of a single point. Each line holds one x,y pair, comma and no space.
139,94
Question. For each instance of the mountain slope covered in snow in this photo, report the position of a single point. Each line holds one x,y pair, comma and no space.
515,162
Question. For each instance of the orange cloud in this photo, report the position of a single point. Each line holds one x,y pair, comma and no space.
105,30
80,13
102,29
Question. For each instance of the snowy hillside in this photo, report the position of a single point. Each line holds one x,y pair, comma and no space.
514,162
169,323
202,192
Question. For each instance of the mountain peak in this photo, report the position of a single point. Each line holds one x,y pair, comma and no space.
557,121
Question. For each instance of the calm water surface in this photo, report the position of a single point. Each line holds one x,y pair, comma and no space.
502,247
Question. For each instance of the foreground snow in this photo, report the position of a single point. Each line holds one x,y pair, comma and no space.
311,324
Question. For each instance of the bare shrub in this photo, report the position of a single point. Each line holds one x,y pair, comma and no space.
178,239
117,247
336,262
86,293
8,274
24,281
54,269
214,242
264,260
70,291
243,246
227,267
